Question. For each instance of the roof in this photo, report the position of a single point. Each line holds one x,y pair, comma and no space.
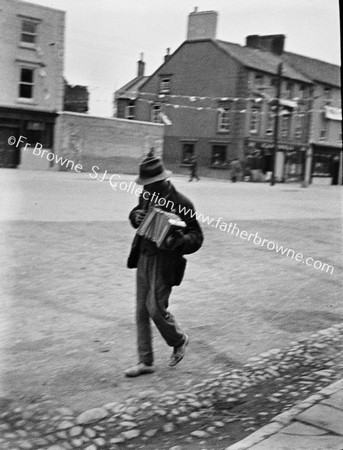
130,89
319,71
261,60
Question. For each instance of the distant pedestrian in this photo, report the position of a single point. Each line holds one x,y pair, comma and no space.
194,169
158,270
236,170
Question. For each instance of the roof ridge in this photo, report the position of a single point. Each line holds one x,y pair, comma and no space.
313,59
250,52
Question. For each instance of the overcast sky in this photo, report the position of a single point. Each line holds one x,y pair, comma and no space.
104,38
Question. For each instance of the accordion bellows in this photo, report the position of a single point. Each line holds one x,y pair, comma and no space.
157,225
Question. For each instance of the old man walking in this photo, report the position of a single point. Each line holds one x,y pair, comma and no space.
159,269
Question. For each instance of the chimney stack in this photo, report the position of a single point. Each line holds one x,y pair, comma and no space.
141,66
273,43
167,55
202,25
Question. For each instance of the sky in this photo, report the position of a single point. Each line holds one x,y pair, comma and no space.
104,38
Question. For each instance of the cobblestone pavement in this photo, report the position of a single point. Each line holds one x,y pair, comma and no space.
211,415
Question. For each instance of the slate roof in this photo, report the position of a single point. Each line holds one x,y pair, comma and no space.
315,69
129,90
261,60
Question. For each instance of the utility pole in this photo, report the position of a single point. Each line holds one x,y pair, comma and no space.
276,122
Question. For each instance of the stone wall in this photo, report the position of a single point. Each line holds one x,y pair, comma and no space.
115,145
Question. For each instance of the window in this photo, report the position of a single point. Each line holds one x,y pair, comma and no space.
298,126
254,120
258,82
165,85
26,83
285,124
327,95
270,123
323,131
288,89
187,153
130,110
28,32
155,113
224,119
218,156
301,93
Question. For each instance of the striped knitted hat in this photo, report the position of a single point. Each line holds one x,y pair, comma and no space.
151,169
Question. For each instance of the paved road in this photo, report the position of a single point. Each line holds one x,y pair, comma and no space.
58,196
68,300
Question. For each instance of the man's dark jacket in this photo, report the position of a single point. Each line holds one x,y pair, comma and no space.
172,261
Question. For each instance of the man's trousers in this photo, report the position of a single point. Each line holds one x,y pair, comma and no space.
152,303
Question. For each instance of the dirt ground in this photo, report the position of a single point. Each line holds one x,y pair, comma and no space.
67,299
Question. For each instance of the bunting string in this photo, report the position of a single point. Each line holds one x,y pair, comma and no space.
283,110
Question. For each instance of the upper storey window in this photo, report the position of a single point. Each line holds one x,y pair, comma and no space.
28,32
165,85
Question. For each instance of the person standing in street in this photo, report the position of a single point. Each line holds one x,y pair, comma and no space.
236,170
194,169
158,270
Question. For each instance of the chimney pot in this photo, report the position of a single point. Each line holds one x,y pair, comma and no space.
141,66
167,55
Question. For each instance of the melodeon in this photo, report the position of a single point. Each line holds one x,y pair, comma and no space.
157,225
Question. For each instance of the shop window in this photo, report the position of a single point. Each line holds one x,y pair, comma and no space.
26,83
28,32
156,113
254,120
41,132
165,85
218,156
187,153
224,119
130,110
293,165
322,165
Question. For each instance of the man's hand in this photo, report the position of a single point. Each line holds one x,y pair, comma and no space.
174,240
139,216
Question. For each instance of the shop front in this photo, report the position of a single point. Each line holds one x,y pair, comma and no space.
259,160
34,126
326,164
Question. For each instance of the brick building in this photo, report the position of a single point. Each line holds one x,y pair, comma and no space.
325,135
219,101
31,75
125,98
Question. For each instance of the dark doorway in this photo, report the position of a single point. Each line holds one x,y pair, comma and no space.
335,170
268,163
9,154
